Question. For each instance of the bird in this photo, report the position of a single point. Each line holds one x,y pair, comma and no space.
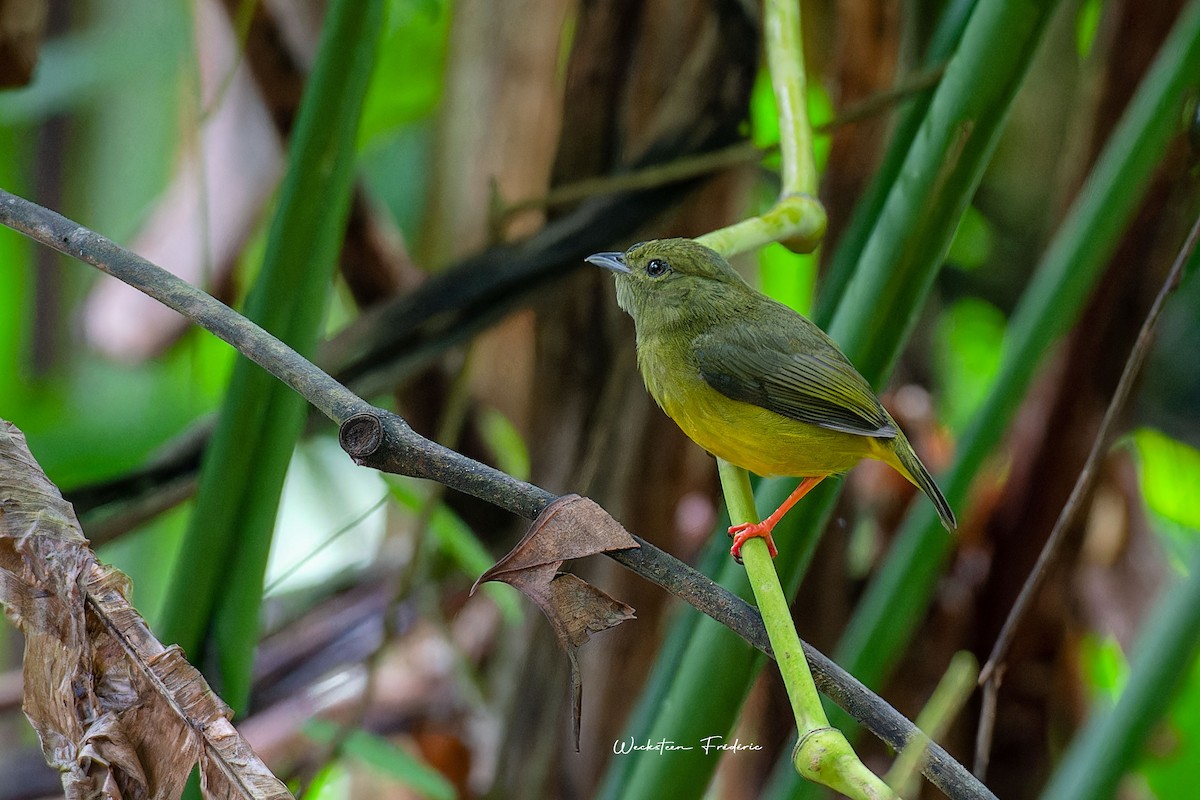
750,380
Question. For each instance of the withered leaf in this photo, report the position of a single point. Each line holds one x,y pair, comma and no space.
118,714
570,527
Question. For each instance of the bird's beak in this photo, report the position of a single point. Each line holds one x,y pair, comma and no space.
613,261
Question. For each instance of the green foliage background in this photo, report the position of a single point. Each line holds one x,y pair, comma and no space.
125,77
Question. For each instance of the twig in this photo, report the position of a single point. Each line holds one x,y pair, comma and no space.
694,166
877,102
991,674
934,720
380,439
649,177
987,722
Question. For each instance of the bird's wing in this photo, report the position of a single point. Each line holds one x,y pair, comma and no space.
807,380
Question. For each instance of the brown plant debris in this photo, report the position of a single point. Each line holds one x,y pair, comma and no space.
118,714
570,527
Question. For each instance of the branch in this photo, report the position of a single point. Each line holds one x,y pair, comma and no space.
992,673
378,438
695,166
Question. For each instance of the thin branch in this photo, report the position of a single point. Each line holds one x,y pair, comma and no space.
657,175
695,166
992,672
377,438
934,720
876,103
987,722
71,239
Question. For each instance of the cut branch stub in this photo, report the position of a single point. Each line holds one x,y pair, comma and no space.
361,435
381,440
570,527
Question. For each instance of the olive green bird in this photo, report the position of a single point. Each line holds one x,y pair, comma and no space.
749,379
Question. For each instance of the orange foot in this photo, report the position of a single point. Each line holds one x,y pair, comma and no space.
749,530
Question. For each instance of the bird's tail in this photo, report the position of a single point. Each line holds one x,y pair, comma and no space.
924,481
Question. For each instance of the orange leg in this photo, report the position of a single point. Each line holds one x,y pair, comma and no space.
748,530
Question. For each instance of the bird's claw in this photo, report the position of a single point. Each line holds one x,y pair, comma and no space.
750,530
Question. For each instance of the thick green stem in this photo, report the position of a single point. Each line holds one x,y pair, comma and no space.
798,218
785,59
823,754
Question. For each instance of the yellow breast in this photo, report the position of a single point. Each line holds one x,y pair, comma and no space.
747,435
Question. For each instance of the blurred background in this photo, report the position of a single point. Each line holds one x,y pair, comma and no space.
494,150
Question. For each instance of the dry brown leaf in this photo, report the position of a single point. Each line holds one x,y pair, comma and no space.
118,714
570,527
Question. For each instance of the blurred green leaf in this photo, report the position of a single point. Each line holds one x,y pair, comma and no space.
764,119
386,758
968,347
788,277
96,419
820,112
122,75
764,114
395,168
1169,764
1087,22
332,782
150,74
1170,473
406,85
1110,744
505,442
16,275
125,44
1105,669
972,243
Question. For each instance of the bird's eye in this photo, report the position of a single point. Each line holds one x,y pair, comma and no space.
657,268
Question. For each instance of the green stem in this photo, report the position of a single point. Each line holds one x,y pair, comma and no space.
823,754
785,60
798,218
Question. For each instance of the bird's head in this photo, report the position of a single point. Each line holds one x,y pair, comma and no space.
663,279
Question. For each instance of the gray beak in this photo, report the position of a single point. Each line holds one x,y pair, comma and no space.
613,261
